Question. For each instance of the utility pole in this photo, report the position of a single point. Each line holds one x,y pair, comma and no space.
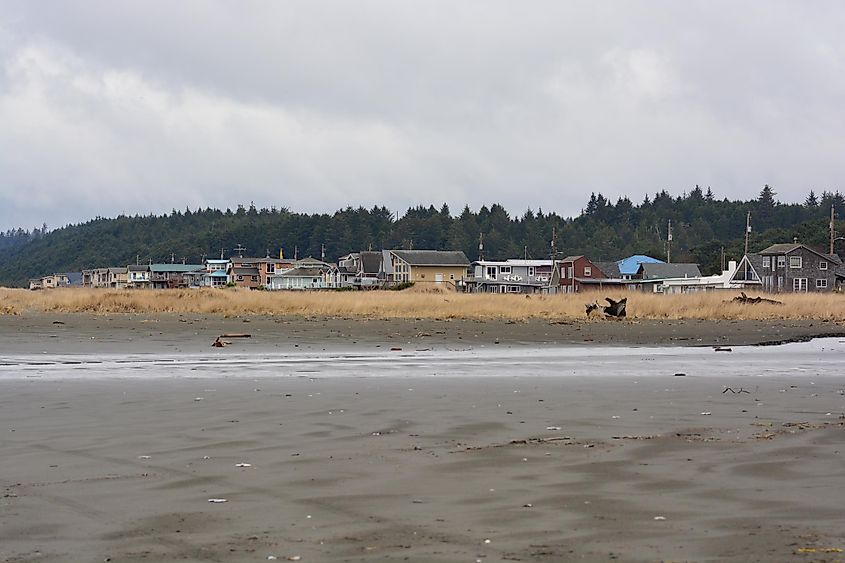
323,252
553,243
222,251
832,229
172,258
747,231
480,247
669,243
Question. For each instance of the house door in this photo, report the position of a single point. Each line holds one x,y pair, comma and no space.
438,278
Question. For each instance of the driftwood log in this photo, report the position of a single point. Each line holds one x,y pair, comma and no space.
613,309
745,300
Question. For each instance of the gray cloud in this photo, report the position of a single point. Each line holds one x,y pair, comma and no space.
110,107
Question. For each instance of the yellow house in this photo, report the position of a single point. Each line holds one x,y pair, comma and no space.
440,267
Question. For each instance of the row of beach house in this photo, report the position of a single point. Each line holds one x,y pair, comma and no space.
779,268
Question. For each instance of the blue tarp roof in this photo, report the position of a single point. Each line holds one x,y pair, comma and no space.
631,264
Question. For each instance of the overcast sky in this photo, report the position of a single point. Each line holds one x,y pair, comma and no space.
111,107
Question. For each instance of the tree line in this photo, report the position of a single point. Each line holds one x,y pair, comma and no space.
705,230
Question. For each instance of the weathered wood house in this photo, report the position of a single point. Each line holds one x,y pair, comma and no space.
797,268
171,276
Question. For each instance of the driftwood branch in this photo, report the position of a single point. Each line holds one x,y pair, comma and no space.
743,299
613,309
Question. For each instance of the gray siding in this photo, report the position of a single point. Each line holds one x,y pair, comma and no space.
798,270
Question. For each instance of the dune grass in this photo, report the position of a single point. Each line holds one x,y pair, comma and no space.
413,304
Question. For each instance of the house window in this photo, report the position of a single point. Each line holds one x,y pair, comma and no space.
823,266
767,262
794,262
513,289
781,261
491,272
505,269
799,284
821,283
588,271
271,268
451,276
530,271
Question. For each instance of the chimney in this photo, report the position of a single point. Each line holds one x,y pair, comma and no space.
795,240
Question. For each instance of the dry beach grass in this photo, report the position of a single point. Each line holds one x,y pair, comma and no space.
415,304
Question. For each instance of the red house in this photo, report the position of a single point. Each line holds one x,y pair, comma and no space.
574,271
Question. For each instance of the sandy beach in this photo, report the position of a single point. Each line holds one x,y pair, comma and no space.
35,333
633,465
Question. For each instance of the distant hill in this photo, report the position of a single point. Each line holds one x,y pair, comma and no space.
605,230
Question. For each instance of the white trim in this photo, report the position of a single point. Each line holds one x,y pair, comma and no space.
799,285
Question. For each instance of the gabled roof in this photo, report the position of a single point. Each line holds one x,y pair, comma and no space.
833,258
783,248
609,269
630,265
788,248
656,271
572,258
137,268
432,257
746,272
119,270
370,262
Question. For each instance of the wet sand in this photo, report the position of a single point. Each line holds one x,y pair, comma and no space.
656,468
87,334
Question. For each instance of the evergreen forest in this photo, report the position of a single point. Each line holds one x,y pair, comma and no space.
706,230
